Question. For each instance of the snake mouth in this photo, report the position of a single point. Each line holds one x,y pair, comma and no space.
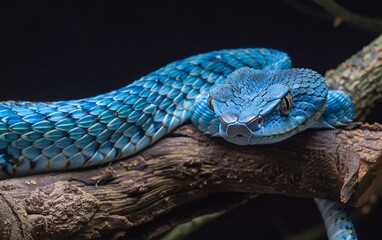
261,136
240,136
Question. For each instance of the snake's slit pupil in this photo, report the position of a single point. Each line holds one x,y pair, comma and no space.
286,104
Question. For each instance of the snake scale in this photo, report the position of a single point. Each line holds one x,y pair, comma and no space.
246,96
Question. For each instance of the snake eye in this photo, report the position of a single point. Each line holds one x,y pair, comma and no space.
209,102
286,104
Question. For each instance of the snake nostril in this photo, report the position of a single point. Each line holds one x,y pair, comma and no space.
255,123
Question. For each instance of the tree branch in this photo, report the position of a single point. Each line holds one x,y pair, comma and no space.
361,78
338,14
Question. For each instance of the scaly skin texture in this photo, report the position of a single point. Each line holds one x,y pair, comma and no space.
337,222
251,87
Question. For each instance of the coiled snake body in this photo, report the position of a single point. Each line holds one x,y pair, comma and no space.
246,96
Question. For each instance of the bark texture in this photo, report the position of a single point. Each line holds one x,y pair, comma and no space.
361,78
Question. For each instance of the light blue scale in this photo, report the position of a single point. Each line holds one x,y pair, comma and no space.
83,141
56,116
20,127
104,136
58,162
63,142
65,124
114,124
54,135
9,137
106,116
77,160
86,121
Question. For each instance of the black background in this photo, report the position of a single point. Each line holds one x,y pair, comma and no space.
56,50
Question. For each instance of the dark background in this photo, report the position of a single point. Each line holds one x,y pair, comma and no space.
56,50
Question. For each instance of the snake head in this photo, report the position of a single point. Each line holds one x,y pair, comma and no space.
263,106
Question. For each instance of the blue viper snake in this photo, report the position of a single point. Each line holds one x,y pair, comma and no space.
246,96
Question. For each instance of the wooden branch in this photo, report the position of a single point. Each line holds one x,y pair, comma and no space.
331,10
341,14
361,78
186,166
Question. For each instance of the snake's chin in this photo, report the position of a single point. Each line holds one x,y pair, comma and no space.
257,138
252,140
239,140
